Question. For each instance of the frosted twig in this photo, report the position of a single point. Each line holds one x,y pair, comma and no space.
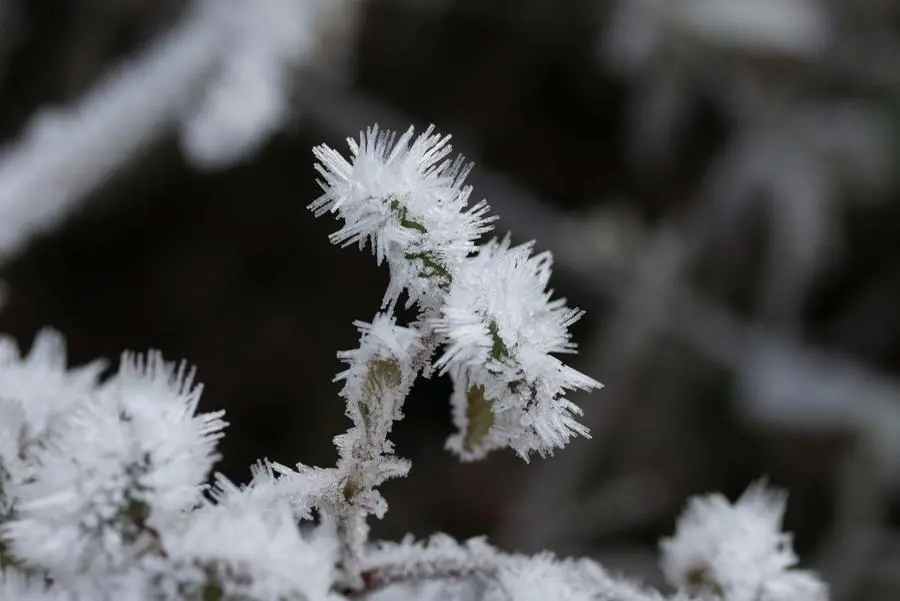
380,374
440,557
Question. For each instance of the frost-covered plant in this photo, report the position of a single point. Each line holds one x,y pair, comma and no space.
737,552
102,482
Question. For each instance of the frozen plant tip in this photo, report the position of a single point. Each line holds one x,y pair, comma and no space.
409,202
488,306
501,328
128,457
738,551
103,483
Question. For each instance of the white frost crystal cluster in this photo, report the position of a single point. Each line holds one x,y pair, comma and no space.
104,482
738,551
408,201
501,327
487,305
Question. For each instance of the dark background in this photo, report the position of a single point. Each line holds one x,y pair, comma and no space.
228,269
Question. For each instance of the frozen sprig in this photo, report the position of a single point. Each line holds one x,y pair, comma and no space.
36,390
438,557
162,400
489,304
379,376
229,551
123,463
377,380
738,552
502,328
407,200
272,484
500,576
543,576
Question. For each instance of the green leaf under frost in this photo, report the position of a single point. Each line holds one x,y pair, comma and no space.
480,417
432,268
382,374
498,349
402,215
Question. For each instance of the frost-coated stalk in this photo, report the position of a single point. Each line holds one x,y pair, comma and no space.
409,203
102,483
378,380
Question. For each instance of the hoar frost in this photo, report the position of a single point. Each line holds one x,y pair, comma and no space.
104,489
487,305
738,551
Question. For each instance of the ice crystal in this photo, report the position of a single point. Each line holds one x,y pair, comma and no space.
738,551
503,329
407,200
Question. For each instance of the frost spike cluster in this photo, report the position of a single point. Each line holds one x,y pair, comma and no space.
102,491
408,201
738,551
487,305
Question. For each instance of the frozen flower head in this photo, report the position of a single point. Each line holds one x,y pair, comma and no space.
502,328
128,460
737,551
407,200
36,390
